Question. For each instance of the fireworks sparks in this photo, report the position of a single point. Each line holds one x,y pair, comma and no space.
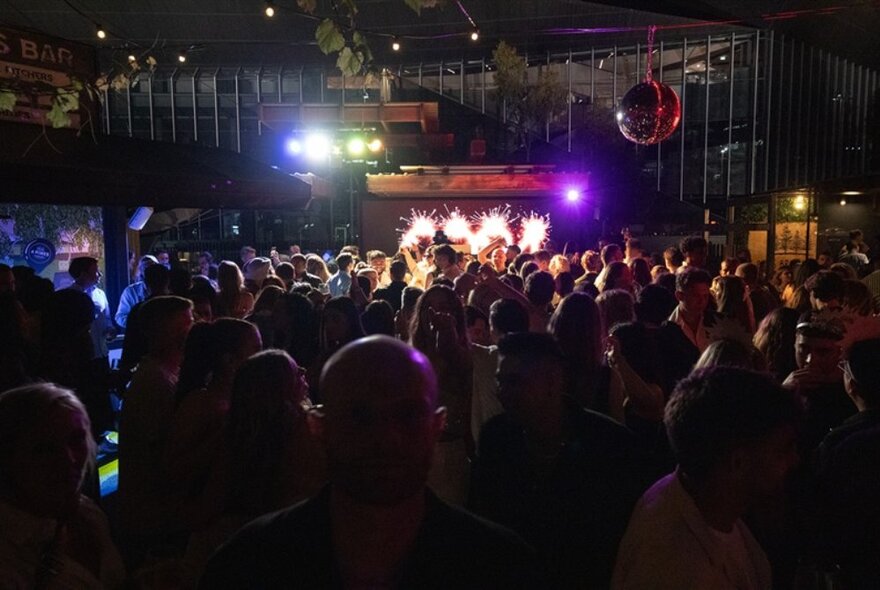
421,227
495,223
457,228
534,231
478,231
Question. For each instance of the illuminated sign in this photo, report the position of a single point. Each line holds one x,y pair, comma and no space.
34,66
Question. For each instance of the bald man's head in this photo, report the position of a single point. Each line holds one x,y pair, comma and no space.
377,363
380,421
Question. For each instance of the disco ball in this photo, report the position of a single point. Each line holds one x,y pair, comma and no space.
649,113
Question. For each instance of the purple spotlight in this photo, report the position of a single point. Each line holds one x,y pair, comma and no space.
573,195
294,147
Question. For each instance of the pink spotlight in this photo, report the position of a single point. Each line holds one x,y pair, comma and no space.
573,195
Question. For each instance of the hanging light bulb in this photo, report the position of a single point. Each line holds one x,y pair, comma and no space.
181,57
270,10
100,32
475,35
395,44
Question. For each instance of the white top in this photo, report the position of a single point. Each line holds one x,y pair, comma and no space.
131,296
669,545
484,401
699,337
102,322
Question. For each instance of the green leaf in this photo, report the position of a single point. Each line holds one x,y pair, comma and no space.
359,39
67,100
308,6
350,6
329,37
416,5
350,62
7,100
57,117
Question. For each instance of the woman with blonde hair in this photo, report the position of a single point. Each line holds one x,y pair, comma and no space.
52,535
558,264
315,265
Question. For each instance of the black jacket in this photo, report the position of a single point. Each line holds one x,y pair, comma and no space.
293,549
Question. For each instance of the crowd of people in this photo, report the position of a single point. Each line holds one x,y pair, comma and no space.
573,419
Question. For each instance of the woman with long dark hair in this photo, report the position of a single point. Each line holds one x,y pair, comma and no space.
439,331
268,458
211,357
233,300
577,327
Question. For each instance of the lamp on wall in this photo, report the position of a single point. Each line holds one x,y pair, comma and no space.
140,218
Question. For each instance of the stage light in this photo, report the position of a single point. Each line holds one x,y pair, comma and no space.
270,10
572,195
100,32
375,145
317,147
293,147
356,147
181,57
395,44
475,35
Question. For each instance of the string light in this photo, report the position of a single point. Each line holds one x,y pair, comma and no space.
270,10
100,32
395,44
181,57
475,35
132,58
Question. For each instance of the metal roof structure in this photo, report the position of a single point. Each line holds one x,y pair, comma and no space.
237,32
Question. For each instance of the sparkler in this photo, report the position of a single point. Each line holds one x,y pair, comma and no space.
495,223
479,230
457,228
534,231
421,226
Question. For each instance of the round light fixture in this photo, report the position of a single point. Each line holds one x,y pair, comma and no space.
356,146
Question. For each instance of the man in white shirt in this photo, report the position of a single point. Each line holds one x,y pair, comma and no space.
134,293
85,273
693,315
379,262
733,433
340,281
